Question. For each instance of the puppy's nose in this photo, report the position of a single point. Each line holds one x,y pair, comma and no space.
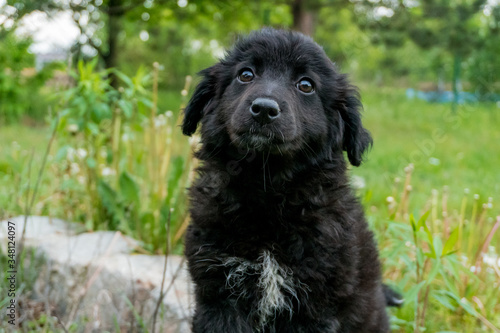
265,110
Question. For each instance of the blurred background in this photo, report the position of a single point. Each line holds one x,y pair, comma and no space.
90,100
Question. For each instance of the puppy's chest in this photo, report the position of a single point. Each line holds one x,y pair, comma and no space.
272,285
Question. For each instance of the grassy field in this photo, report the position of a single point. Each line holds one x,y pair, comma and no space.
455,150
436,261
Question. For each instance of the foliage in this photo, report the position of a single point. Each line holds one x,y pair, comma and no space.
443,262
20,84
123,155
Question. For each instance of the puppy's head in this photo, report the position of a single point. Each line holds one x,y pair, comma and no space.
277,92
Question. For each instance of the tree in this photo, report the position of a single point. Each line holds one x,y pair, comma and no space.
99,21
451,26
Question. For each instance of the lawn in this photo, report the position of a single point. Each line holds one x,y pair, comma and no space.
436,261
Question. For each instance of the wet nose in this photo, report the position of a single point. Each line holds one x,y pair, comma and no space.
265,110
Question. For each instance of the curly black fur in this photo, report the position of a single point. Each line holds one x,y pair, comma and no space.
278,242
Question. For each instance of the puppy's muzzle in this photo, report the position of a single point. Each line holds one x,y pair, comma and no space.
264,110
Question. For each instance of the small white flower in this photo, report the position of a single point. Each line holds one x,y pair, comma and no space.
107,171
160,121
81,179
466,191
82,153
389,199
169,114
72,128
476,196
70,154
74,168
491,260
184,92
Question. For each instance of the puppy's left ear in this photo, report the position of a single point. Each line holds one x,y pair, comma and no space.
204,93
356,138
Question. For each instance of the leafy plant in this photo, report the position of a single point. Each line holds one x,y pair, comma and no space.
441,264
125,155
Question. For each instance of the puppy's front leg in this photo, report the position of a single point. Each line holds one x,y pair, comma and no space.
219,317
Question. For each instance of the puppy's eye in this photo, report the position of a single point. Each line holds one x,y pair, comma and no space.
305,85
246,75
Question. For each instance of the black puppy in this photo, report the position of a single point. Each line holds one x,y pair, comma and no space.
278,242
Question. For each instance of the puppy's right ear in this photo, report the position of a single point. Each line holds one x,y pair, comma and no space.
204,93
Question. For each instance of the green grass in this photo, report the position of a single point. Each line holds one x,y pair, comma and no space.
458,150
429,260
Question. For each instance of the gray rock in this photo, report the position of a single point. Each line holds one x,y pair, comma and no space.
94,280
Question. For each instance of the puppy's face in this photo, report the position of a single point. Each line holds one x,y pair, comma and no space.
273,100
277,92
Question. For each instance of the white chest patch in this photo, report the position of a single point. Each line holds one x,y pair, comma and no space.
276,284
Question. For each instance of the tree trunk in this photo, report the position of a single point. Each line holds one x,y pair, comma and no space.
303,18
114,26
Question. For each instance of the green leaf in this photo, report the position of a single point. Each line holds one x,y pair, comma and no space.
423,218
450,243
413,292
444,300
126,107
129,189
61,153
413,223
93,128
91,163
437,245
436,265
128,81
